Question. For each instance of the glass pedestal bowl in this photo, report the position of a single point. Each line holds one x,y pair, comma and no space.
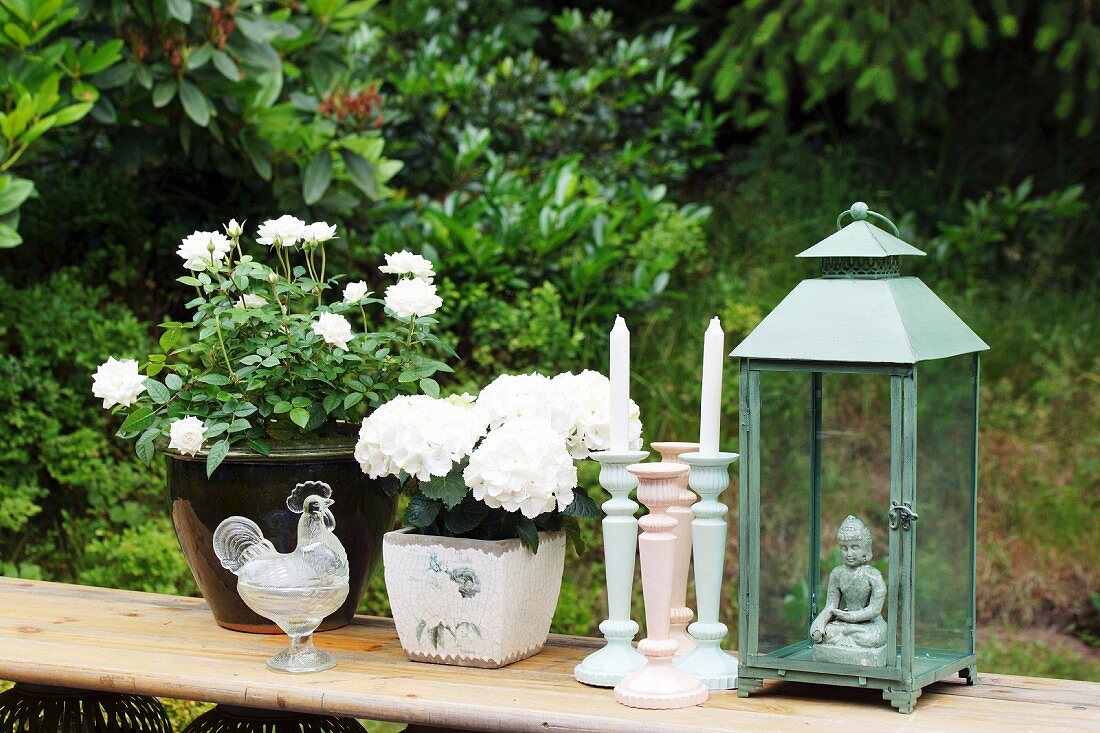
298,612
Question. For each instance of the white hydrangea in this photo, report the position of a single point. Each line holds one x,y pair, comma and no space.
407,263
318,231
420,435
589,393
524,466
286,231
186,435
118,382
355,292
526,395
334,329
407,298
200,250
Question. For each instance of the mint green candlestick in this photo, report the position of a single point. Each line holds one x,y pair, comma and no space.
618,658
708,662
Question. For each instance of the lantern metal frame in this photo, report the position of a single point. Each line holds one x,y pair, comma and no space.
933,333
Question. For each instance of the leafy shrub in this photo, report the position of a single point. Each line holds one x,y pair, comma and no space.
43,84
773,58
534,267
63,479
617,100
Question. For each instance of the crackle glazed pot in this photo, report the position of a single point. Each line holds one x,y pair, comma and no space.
255,486
472,603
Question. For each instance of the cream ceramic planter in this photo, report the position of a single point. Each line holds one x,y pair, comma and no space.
472,603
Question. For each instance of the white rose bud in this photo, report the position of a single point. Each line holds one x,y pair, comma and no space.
272,277
251,301
334,329
186,435
407,298
233,229
118,382
407,263
354,292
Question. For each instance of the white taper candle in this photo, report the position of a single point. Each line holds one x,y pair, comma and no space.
620,385
710,406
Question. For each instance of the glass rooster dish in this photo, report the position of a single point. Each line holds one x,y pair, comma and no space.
296,590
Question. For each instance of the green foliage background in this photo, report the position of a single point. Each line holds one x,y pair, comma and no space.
560,167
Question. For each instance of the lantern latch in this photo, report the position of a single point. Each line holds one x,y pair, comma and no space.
902,515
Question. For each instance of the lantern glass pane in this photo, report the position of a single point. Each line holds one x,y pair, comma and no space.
855,480
784,510
946,424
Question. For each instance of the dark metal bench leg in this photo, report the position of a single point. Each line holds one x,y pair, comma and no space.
41,709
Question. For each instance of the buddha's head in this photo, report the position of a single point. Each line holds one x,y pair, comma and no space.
854,540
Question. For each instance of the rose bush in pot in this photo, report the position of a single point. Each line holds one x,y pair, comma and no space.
260,390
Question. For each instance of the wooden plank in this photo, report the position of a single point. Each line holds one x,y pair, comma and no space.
151,644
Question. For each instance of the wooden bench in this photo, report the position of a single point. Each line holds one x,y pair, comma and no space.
97,639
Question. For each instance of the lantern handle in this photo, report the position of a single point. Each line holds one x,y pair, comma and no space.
859,212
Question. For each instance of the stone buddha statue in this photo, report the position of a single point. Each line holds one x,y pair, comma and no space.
850,629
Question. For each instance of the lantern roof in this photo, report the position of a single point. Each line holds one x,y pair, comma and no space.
861,309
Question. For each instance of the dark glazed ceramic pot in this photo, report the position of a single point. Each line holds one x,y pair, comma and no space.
255,486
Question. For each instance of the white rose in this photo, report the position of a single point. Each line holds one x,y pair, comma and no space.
407,298
407,263
233,229
251,301
334,329
186,435
522,466
354,292
284,231
200,250
118,382
420,435
318,231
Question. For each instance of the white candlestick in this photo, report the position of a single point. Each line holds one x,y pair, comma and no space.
710,406
620,385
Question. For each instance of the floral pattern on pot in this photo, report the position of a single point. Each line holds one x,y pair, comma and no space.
473,603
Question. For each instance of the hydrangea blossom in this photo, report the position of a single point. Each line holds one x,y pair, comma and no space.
524,466
589,394
408,298
286,231
185,435
200,250
420,435
407,263
526,395
118,382
334,329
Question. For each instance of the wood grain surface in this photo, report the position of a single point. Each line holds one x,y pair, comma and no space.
143,643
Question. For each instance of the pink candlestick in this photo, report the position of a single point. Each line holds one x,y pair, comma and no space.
658,685
681,614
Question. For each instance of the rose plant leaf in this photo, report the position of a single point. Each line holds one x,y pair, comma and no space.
300,417
145,448
157,391
217,454
138,420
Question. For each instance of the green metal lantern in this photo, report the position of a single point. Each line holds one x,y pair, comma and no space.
859,431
